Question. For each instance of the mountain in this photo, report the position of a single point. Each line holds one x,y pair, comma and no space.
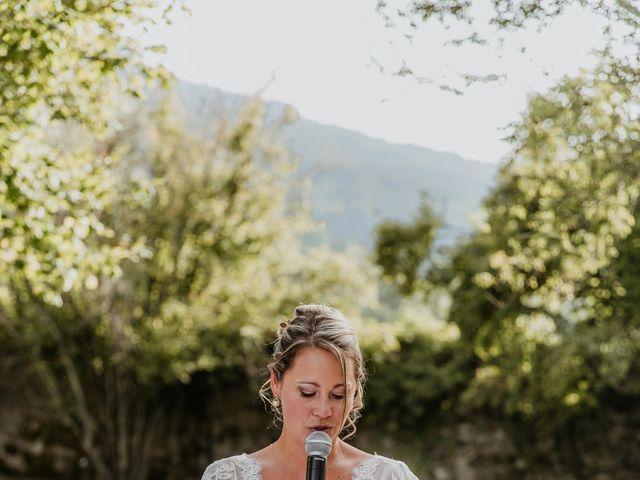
357,181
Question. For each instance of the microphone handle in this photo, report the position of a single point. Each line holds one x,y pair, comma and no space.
316,466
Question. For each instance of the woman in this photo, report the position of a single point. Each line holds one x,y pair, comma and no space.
316,384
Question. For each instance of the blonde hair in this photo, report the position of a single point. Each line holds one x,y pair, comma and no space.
323,327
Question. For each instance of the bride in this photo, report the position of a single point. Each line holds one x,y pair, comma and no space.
316,384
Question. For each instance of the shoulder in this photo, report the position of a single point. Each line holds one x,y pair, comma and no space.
379,467
238,467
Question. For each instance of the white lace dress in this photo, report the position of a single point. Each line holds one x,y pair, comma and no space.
244,467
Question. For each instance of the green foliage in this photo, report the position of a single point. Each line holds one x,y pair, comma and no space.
544,290
416,374
401,249
214,260
543,293
61,61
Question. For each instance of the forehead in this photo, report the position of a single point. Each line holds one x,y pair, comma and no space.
314,364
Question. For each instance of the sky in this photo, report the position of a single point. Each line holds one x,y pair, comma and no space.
334,61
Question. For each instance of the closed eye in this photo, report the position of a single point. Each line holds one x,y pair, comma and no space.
335,396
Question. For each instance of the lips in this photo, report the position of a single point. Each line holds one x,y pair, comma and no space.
321,428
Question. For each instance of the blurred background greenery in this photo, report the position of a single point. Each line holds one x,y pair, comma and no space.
144,268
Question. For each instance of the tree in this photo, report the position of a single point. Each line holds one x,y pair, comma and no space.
61,61
218,260
495,24
402,249
544,289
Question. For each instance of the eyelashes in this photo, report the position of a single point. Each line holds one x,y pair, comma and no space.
335,396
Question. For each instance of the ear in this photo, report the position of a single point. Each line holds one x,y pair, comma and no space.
276,387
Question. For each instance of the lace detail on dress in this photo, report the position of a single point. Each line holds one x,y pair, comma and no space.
244,467
250,468
225,469
222,471
367,469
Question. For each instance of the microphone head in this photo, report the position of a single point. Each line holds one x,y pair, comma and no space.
318,443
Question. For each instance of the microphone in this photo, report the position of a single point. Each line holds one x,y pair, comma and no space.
318,447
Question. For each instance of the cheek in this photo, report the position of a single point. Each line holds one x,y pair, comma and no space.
293,406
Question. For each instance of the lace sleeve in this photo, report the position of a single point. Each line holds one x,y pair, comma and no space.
220,470
239,467
382,468
404,473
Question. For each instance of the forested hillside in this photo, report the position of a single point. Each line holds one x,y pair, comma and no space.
357,181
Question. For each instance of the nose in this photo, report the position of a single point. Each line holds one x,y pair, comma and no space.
322,408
